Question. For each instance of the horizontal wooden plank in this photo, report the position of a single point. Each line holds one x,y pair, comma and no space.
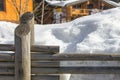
77,57
64,57
11,56
7,64
45,64
7,56
6,71
7,77
34,64
34,77
77,70
71,70
7,47
41,48
34,48
45,77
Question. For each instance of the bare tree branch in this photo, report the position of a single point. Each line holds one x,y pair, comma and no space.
16,7
25,7
38,6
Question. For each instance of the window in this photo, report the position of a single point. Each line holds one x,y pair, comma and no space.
105,7
90,6
77,6
2,6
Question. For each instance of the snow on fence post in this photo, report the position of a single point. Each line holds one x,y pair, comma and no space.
22,48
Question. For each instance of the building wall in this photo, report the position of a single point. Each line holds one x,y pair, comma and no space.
85,9
56,14
10,13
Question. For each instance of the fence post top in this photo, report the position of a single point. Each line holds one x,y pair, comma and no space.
26,17
25,24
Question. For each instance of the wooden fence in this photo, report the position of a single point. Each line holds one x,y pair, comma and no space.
25,62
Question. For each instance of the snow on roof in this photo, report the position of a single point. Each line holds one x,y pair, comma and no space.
63,3
112,3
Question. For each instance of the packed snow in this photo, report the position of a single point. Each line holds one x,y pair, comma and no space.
97,33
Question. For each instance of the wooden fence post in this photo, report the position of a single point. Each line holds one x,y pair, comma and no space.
22,48
32,32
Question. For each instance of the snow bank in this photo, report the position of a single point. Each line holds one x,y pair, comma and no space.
101,31
98,33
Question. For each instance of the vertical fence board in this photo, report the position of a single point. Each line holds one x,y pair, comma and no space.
22,48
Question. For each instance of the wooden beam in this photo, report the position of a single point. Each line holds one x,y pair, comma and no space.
34,64
6,71
34,48
78,70
45,64
77,57
64,57
7,47
7,57
32,39
70,70
22,47
6,77
41,48
45,77
7,64
34,77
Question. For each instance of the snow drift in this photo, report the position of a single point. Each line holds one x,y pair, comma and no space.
98,33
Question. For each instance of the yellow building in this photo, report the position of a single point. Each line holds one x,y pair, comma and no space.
11,9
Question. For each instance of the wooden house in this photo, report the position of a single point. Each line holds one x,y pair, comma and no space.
10,10
87,7
79,8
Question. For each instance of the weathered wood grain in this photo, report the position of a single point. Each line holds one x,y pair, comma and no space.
7,47
45,64
6,71
78,70
32,39
33,64
34,48
41,48
22,48
34,77
7,57
45,77
64,57
71,70
77,57
7,64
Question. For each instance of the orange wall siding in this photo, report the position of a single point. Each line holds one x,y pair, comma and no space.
10,13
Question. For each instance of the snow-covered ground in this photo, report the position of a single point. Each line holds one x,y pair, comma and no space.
98,33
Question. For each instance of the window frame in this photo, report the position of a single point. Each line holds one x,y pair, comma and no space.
3,3
90,6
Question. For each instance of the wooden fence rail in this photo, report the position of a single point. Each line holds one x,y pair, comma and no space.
45,66
38,62
42,56
33,77
34,48
64,70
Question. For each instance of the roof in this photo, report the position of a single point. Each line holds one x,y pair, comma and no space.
63,3
112,3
